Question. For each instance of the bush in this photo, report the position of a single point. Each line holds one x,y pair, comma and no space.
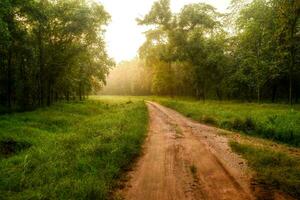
246,125
249,124
209,120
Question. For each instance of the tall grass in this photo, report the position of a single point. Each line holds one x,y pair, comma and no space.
272,121
275,169
70,150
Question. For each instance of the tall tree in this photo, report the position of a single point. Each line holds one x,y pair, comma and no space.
50,50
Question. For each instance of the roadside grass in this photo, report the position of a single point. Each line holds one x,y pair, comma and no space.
276,169
276,122
70,150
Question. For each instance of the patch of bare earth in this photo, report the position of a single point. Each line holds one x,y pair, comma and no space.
183,159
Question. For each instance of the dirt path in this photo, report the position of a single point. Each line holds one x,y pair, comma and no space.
185,160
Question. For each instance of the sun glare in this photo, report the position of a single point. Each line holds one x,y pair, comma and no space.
124,36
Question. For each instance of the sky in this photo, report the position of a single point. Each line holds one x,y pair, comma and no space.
123,36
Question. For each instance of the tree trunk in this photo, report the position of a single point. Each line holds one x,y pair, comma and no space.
274,90
219,94
292,54
204,91
197,93
49,93
258,95
41,66
68,96
10,21
80,91
290,88
23,97
9,79
171,79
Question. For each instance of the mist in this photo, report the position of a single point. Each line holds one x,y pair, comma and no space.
128,78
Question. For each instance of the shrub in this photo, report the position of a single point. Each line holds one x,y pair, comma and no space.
209,120
237,124
247,125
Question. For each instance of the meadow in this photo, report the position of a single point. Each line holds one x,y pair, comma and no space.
72,150
277,122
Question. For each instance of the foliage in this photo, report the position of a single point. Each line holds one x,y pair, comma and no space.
50,50
250,53
70,150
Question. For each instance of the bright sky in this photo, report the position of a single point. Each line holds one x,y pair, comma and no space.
124,36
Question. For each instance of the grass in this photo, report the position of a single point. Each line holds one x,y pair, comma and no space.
70,150
273,168
276,122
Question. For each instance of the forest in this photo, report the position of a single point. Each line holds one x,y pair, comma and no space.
250,53
50,51
55,50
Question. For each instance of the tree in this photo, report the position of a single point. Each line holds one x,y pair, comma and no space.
50,50
255,34
251,58
287,15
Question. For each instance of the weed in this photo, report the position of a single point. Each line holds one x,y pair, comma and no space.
209,120
249,124
177,129
275,169
238,124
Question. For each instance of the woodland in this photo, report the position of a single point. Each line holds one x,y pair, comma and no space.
55,50
50,51
250,53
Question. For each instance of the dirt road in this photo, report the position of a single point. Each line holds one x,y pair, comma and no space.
183,159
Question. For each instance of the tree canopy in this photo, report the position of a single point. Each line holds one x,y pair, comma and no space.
50,50
251,53
54,49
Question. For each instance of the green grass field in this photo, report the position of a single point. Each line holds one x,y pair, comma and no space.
70,150
276,122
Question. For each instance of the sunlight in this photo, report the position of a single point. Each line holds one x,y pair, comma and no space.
124,36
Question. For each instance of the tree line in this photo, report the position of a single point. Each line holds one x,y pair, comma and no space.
250,53
128,78
50,50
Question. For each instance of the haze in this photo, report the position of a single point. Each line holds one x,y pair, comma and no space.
124,36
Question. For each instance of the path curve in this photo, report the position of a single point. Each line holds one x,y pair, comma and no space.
183,159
